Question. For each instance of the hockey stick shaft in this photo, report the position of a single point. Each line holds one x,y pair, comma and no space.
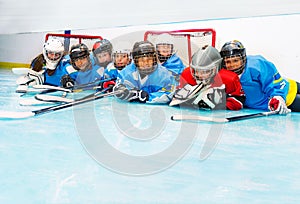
91,84
51,98
220,120
76,102
255,115
20,115
43,88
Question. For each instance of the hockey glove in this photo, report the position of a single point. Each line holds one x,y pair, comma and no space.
211,98
124,91
66,81
138,95
131,95
108,84
32,78
277,103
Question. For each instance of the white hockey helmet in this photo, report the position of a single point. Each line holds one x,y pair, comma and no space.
53,51
121,48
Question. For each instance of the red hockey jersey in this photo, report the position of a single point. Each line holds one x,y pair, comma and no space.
235,96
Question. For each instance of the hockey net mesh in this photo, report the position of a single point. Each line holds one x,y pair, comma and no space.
185,42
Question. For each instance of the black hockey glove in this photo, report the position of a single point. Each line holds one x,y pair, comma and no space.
124,91
131,95
138,95
66,81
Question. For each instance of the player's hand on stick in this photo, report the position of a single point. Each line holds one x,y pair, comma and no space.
277,103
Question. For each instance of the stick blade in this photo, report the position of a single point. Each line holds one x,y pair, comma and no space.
50,98
15,115
198,118
44,86
22,89
20,70
33,102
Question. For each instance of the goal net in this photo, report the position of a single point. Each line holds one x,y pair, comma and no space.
72,39
185,42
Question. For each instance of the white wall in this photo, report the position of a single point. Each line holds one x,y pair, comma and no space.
41,16
274,37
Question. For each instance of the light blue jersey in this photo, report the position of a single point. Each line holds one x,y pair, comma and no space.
174,64
93,74
159,84
110,71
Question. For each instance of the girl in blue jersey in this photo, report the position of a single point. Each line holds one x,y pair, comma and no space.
263,85
145,80
49,67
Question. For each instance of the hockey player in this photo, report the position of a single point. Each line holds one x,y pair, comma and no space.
102,52
121,55
48,67
167,55
80,60
263,85
205,85
145,80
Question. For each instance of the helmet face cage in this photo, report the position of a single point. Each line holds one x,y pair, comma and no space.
79,51
53,51
163,47
146,70
204,75
145,51
234,49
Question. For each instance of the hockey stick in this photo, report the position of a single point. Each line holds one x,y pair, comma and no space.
91,85
43,88
32,101
220,120
50,87
20,115
20,70
55,99
75,88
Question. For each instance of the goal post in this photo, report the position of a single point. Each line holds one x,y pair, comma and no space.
185,42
